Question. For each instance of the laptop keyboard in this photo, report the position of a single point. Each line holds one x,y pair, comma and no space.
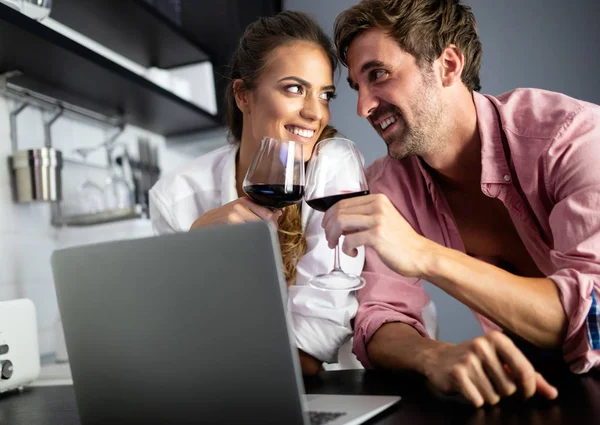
322,418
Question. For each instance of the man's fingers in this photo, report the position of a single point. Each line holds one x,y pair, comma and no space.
483,384
521,370
354,240
341,210
467,388
347,226
493,367
544,388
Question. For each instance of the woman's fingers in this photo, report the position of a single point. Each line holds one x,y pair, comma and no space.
258,211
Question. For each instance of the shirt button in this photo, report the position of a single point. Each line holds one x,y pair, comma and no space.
507,177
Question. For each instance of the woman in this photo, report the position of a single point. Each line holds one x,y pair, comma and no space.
281,82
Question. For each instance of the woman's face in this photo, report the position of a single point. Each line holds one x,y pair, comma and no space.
290,100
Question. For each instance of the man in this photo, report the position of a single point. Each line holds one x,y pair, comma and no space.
494,200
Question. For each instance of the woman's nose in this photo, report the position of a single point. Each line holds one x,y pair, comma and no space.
311,110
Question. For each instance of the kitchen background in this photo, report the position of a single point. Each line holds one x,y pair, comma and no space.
550,44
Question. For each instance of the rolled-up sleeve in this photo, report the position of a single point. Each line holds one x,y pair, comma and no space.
322,320
387,297
573,170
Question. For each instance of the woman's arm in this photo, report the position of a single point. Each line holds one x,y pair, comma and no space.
310,365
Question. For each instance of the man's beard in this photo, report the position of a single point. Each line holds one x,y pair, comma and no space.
423,135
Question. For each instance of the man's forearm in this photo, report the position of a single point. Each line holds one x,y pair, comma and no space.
527,307
399,346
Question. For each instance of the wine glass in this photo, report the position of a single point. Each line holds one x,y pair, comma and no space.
335,172
275,178
118,192
90,193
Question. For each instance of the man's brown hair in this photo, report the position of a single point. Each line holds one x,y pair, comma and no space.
422,28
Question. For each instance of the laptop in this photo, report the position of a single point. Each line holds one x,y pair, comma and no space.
189,328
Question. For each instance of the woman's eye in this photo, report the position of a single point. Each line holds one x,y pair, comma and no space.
296,89
377,74
328,95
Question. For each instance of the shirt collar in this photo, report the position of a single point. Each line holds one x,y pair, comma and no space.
494,166
228,186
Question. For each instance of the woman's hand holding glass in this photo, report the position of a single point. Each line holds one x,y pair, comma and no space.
242,210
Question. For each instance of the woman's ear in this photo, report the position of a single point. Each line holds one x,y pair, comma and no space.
242,95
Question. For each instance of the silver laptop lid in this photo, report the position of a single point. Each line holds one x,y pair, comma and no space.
179,329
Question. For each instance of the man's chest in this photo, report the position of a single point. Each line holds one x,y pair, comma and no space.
487,230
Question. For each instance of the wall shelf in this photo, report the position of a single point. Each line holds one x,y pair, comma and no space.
131,28
45,55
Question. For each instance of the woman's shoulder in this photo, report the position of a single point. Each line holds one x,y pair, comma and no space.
201,174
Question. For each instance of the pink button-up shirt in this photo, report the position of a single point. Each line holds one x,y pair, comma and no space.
553,151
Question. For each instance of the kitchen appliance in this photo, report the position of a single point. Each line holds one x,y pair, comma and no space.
19,351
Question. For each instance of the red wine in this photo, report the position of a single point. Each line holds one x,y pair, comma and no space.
274,195
323,204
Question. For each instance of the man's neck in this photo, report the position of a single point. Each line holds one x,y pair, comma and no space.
457,165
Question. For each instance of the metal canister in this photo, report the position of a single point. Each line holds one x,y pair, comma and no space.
36,174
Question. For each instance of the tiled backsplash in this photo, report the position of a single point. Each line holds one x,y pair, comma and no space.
27,239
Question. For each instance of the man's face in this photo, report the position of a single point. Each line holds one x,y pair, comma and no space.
400,99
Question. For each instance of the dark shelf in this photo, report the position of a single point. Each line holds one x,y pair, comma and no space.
131,28
46,55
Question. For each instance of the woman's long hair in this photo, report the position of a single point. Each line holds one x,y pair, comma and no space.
260,39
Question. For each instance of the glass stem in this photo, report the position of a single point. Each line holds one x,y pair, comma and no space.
336,259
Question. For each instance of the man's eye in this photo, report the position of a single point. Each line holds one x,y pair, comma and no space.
296,89
377,74
328,95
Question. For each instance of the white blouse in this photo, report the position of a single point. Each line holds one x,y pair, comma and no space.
321,319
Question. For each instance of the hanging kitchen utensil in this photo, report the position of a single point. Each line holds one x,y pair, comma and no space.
35,173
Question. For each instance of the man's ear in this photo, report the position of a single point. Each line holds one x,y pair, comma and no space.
242,95
452,62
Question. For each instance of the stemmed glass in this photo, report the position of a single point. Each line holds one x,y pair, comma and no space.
275,178
335,172
118,192
91,194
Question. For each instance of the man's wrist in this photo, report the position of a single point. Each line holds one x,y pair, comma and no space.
428,359
431,260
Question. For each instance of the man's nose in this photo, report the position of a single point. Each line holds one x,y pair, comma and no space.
366,103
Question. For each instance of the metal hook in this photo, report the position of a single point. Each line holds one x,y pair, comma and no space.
48,123
111,140
13,124
109,144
